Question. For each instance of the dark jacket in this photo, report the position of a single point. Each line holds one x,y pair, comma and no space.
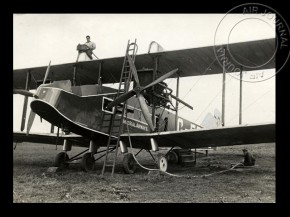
249,160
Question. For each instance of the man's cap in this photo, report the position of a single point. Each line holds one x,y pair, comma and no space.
87,36
245,150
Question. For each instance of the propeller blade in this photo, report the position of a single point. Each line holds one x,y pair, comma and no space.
181,101
163,77
145,111
46,73
134,71
30,121
23,92
121,98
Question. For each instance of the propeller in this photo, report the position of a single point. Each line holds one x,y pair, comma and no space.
32,113
24,93
145,111
181,101
138,91
134,71
46,73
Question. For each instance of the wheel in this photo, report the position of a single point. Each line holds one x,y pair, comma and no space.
88,162
172,157
162,162
129,163
177,152
60,160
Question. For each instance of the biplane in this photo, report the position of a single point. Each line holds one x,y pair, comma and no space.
141,113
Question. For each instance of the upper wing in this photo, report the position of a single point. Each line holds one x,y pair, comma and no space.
190,62
224,136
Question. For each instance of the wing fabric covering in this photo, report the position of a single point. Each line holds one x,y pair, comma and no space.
190,62
223,136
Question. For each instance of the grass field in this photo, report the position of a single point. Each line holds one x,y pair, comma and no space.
33,184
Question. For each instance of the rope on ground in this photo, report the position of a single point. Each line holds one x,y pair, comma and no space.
167,173
222,170
146,168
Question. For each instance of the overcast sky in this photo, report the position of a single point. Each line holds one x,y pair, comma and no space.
39,38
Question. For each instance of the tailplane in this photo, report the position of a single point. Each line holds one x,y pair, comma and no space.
212,120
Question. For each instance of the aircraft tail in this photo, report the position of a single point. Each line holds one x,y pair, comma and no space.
212,120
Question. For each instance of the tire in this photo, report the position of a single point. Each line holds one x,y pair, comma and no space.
162,162
129,164
172,157
176,150
60,160
88,162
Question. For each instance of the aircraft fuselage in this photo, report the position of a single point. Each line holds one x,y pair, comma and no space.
81,109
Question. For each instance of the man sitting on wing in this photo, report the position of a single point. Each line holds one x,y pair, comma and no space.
87,48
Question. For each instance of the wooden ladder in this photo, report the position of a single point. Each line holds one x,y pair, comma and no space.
115,127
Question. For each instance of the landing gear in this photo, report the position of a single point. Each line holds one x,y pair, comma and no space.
129,163
60,160
172,157
162,162
88,162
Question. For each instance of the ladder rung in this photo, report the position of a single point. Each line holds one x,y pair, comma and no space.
118,119
107,114
116,125
106,120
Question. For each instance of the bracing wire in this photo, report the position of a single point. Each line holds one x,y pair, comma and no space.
212,100
201,76
251,104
